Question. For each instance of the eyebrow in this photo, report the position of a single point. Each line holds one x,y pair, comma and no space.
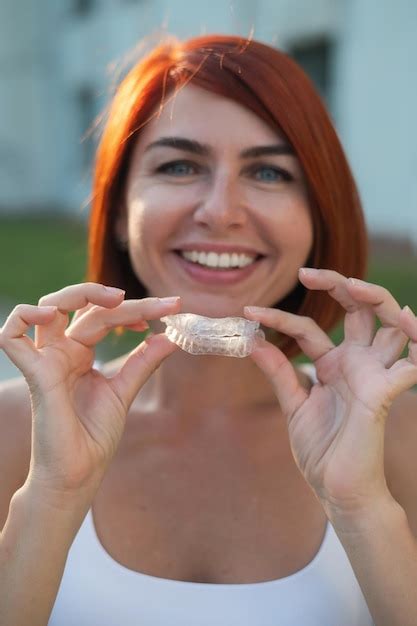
202,149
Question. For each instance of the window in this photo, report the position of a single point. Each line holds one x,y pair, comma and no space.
315,57
82,7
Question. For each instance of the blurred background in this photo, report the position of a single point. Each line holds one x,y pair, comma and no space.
59,62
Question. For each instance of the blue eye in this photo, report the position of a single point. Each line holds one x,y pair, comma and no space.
270,174
177,168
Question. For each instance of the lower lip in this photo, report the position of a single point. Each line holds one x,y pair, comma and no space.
216,277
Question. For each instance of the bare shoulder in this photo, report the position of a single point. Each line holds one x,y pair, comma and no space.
15,440
401,454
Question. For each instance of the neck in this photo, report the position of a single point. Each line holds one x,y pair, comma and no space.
189,384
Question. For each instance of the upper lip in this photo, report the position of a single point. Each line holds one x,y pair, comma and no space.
218,247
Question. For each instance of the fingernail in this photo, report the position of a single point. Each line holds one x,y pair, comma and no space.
254,309
306,270
169,300
114,291
408,310
357,282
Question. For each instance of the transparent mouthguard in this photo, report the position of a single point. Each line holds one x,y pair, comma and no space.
227,336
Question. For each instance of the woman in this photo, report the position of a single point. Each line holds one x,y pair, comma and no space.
214,490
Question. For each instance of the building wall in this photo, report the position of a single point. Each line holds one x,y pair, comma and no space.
21,116
56,66
376,96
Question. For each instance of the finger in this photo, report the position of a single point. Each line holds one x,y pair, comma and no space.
403,374
96,323
139,366
379,298
359,323
75,297
390,340
79,312
13,339
141,326
312,340
359,326
279,370
408,322
113,292
72,298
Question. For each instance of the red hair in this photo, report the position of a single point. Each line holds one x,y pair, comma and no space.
269,83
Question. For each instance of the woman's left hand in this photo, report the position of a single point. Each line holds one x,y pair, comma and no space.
336,429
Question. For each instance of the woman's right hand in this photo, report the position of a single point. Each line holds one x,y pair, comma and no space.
78,415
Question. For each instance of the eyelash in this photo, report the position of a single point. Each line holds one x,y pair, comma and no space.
166,166
286,176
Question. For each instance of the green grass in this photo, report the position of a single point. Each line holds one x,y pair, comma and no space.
399,277
39,255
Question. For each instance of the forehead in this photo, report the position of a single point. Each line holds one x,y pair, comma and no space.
198,114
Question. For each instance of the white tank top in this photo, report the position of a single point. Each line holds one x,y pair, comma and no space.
97,591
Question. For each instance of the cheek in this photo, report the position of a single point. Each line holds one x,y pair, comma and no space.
161,207
148,211
152,219
299,233
290,220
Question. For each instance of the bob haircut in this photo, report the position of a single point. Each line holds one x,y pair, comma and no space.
269,83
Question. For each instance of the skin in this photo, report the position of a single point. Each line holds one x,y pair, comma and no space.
220,198
342,418
228,201
212,198
324,428
215,199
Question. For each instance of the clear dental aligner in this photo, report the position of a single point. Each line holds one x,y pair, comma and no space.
227,336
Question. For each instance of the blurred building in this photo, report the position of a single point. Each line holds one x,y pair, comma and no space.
57,58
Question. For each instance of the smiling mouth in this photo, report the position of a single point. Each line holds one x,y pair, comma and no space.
220,262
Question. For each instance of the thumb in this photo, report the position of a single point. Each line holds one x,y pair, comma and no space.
140,365
280,371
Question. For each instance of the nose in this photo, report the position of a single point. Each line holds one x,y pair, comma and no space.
221,207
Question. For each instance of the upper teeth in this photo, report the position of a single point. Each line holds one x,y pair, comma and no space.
212,259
